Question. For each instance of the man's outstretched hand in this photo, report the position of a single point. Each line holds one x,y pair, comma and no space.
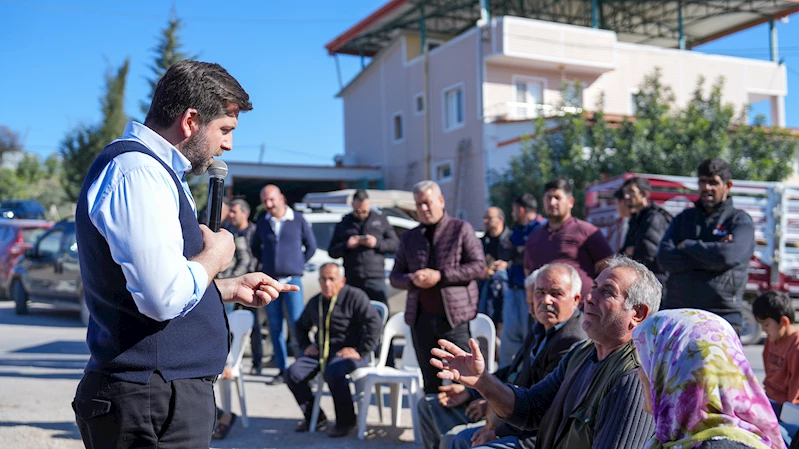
252,289
458,365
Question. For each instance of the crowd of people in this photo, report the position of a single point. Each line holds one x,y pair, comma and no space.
620,341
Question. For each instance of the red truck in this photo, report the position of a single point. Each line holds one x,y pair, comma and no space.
773,206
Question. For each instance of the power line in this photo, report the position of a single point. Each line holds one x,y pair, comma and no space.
108,12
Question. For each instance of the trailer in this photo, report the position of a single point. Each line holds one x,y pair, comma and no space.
773,206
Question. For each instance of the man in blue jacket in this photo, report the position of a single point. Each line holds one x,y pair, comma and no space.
283,242
707,248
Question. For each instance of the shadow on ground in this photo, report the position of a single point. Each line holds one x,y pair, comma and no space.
66,430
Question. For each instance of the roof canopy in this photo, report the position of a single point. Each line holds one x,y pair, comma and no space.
650,22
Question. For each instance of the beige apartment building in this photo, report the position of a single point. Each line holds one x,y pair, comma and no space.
452,86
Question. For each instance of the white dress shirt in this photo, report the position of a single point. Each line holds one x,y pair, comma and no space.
277,223
134,205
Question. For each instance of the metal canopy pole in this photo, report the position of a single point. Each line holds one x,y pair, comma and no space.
680,24
426,85
772,41
595,13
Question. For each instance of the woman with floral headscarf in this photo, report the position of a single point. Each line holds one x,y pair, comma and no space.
699,386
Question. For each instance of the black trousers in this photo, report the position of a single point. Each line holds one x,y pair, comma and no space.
305,369
426,332
113,413
375,289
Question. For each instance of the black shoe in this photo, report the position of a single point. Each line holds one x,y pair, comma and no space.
338,431
305,424
278,379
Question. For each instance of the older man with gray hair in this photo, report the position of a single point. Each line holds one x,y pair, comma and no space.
594,397
553,293
439,263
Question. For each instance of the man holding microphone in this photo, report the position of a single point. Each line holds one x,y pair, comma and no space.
158,334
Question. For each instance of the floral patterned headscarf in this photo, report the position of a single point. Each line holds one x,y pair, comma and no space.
702,387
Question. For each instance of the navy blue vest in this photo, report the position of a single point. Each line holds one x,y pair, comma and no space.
124,343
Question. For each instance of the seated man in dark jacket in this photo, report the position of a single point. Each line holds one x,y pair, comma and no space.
594,398
646,227
707,248
553,293
348,329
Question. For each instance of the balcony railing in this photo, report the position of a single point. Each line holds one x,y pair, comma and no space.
513,110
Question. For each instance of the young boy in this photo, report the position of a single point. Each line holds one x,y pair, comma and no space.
775,314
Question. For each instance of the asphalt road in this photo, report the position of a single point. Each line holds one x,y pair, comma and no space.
42,356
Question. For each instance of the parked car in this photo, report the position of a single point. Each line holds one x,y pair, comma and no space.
49,273
323,222
15,237
28,209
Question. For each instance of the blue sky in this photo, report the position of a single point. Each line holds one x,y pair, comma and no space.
56,53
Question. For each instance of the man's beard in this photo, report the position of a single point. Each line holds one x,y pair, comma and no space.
195,149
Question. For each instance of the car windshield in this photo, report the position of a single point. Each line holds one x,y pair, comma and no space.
323,232
30,235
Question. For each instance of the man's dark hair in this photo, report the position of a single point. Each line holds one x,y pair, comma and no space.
618,194
713,167
527,201
641,183
360,195
203,86
774,305
559,184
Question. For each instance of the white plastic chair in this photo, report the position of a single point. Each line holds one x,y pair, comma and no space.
790,414
240,322
483,327
408,376
382,309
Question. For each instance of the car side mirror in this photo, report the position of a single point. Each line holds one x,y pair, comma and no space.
30,252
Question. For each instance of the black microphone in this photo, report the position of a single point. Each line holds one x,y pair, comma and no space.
216,191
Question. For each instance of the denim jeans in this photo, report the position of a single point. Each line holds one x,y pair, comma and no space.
492,295
294,304
515,324
463,440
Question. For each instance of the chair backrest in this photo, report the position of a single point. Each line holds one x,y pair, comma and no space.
790,413
382,309
240,322
395,327
483,327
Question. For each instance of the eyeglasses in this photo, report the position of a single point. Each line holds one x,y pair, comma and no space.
361,211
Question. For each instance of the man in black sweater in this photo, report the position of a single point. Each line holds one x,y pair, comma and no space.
348,329
707,248
647,225
363,238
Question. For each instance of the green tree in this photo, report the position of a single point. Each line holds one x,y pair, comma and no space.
82,145
661,139
9,141
30,170
167,52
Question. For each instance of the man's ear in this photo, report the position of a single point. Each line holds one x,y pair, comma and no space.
785,321
189,122
641,313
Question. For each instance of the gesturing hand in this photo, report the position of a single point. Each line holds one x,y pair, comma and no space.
458,365
453,395
252,289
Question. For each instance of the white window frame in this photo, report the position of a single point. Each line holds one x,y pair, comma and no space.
514,79
394,129
415,101
582,93
630,105
445,179
444,91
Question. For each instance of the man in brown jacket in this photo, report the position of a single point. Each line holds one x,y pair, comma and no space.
438,263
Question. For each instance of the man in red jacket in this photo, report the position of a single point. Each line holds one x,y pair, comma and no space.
439,264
